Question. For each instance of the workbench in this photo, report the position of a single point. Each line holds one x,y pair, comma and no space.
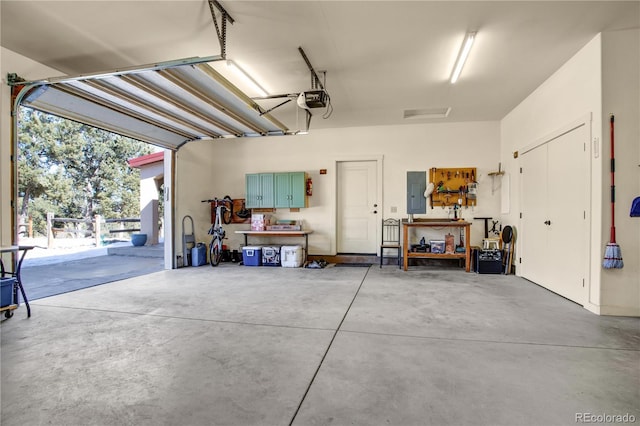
15,273
436,223
304,233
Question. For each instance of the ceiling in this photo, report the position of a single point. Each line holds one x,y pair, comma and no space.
381,57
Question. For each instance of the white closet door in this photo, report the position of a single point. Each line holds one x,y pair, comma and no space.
534,232
554,227
567,203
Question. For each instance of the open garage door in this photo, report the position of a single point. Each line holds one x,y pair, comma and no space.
165,104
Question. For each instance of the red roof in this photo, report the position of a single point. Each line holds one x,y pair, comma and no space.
146,159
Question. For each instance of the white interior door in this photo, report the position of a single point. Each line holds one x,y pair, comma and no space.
357,205
534,232
554,227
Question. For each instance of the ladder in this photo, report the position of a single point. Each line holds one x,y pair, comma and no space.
188,241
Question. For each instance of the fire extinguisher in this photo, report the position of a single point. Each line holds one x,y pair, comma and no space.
309,187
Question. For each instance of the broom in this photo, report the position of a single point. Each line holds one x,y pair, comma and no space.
612,253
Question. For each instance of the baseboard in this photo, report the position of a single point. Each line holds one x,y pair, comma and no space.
592,308
346,258
620,311
616,311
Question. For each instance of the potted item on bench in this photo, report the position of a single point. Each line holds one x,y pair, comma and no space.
138,239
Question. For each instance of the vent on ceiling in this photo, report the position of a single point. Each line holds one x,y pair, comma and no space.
426,113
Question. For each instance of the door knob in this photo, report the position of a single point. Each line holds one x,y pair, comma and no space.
547,222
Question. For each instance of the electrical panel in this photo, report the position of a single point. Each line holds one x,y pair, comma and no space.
416,186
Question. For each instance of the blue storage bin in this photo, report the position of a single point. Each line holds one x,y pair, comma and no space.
6,291
199,255
252,255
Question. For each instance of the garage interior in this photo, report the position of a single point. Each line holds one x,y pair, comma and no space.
558,342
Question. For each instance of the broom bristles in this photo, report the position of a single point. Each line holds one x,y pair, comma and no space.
612,257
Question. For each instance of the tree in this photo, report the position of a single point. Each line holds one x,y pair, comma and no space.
75,170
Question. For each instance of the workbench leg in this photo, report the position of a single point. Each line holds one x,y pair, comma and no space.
405,238
467,247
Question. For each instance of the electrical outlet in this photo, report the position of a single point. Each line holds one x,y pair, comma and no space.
394,209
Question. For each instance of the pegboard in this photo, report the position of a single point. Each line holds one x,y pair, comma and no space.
238,205
453,186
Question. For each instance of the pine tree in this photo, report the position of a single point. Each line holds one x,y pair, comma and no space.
75,170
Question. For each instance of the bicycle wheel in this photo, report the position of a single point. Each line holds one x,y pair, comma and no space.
214,251
227,214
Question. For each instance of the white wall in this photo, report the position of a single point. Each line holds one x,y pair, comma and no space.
620,290
572,92
217,168
575,90
149,200
11,62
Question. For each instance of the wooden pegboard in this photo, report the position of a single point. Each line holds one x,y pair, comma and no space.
238,204
452,185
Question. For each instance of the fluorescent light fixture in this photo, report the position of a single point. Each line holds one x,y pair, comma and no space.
462,56
247,78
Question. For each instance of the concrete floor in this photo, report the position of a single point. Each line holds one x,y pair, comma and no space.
52,275
337,346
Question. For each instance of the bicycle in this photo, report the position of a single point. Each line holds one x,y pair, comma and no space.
223,214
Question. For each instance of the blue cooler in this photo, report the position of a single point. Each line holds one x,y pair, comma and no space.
199,255
6,291
252,255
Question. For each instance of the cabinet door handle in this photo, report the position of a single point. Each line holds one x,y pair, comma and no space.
547,222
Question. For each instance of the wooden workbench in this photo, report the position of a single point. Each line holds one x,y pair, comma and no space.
430,223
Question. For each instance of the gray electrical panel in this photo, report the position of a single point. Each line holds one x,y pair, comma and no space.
416,185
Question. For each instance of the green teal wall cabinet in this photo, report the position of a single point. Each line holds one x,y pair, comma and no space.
290,190
280,190
259,190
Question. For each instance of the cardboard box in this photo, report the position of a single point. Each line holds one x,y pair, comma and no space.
259,221
284,228
449,244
